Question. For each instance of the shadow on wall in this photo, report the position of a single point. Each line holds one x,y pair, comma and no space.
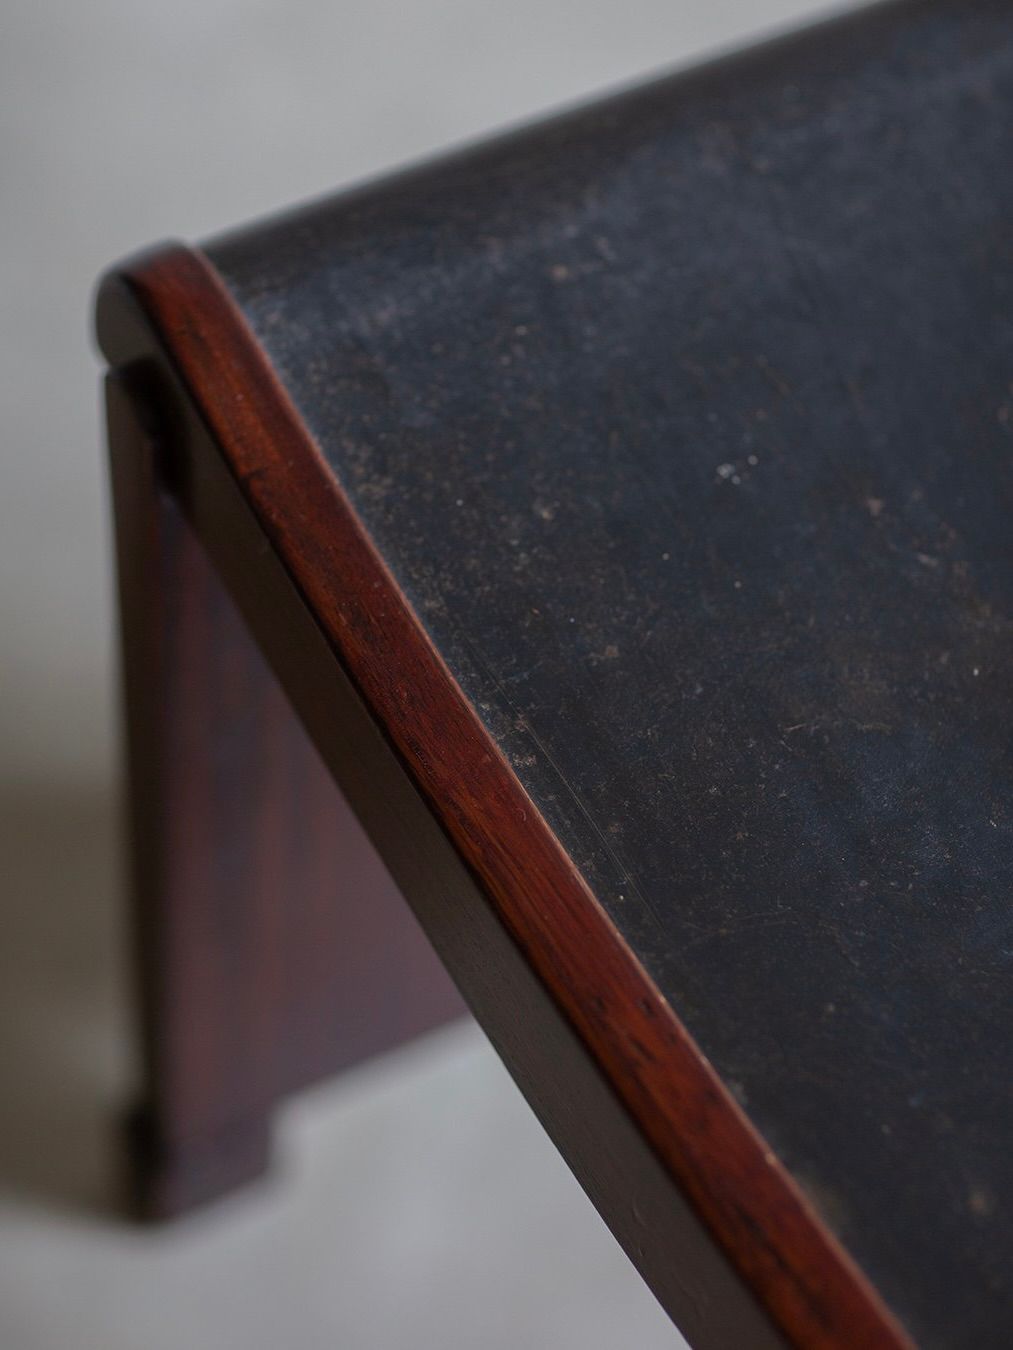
64,1048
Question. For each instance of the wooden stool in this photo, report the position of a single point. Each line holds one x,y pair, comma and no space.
623,509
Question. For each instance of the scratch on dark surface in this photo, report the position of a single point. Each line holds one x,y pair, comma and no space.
520,719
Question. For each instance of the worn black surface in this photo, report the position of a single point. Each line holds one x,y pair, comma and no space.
686,422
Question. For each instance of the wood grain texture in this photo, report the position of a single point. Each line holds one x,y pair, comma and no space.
273,949
702,1139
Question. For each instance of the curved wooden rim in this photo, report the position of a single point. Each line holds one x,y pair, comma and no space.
782,1251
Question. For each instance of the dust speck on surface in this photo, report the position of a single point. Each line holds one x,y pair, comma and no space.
827,1199
980,1202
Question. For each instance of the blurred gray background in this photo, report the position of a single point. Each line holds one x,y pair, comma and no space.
417,1201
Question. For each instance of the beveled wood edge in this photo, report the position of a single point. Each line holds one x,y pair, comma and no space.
781,1249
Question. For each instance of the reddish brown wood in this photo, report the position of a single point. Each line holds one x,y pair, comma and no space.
676,1117
274,949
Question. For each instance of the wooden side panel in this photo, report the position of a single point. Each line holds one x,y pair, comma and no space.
273,947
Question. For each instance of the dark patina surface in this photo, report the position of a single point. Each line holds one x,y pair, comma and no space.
686,423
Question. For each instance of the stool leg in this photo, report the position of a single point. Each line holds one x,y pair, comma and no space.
271,945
